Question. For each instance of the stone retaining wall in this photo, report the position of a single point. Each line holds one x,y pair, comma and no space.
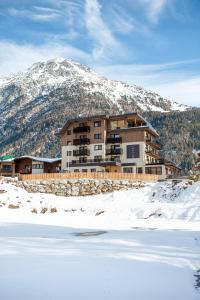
75,187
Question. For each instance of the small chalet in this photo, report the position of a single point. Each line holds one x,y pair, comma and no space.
37,165
7,165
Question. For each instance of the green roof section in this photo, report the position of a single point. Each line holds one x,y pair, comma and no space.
6,157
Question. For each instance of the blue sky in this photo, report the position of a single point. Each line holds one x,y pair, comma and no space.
151,43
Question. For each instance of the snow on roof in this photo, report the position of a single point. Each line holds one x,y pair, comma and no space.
40,159
7,160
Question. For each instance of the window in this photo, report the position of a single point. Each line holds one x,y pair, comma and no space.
68,132
114,135
69,143
76,170
28,168
97,158
139,170
130,123
82,159
97,124
97,136
117,124
114,147
115,158
7,168
37,166
97,147
93,170
133,151
84,170
69,153
153,170
128,170
83,148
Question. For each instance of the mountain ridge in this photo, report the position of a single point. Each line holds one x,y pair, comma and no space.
59,73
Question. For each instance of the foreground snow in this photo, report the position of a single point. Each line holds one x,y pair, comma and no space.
48,262
161,205
139,244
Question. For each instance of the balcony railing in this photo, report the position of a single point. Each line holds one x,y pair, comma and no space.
158,162
83,141
113,140
153,143
111,151
82,152
95,161
153,154
80,129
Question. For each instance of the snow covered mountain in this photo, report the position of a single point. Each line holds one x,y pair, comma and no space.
43,78
35,103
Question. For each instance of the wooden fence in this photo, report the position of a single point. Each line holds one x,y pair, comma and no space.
89,175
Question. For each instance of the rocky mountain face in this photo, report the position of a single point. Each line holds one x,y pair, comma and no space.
36,103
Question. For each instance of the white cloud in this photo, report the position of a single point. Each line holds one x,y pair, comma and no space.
171,80
35,13
186,91
154,8
43,17
121,21
15,57
102,36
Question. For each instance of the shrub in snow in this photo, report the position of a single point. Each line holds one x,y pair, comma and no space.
99,213
53,210
12,206
44,209
3,191
34,211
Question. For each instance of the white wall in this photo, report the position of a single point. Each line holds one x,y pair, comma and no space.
138,161
37,171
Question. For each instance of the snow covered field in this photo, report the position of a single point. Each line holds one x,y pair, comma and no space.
137,244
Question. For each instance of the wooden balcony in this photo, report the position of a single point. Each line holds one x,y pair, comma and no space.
117,151
81,129
153,143
84,141
152,154
114,140
81,152
158,162
95,162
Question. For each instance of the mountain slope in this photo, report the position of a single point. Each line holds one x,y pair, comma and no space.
179,135
35,103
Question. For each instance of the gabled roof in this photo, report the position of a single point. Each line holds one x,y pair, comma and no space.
79,119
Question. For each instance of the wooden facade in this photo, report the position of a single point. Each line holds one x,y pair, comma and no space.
7,168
